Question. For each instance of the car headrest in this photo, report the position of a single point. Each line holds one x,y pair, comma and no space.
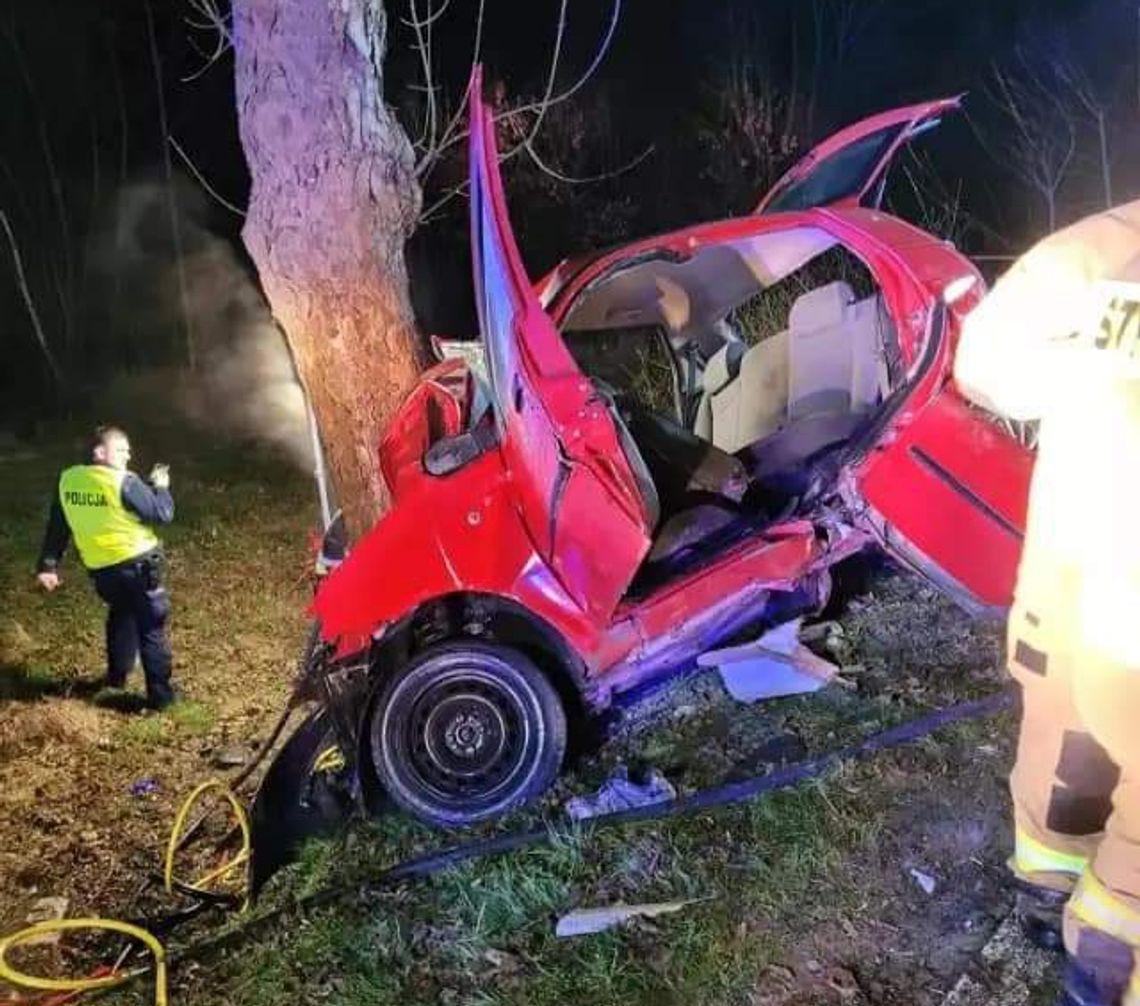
723,366
821,308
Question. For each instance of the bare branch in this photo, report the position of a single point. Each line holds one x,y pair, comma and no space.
574,88
54,179
1039,138
422,44
217,23
427,22
542,166
453,124
429,214
540,107
168,170
200,178
552,74
29,302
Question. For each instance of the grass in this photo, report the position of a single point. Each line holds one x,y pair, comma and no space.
483,933
146,731
811,875
182,720
192,718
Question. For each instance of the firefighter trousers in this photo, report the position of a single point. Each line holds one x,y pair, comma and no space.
1076,781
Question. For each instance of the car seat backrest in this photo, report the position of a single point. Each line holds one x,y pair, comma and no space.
870,328
820,359
830,361
746,400
720,372
763,392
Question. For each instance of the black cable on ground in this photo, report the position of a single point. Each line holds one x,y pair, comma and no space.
719,796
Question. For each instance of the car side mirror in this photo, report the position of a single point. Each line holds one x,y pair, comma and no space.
452,453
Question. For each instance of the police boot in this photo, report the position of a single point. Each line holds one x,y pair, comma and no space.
1039,911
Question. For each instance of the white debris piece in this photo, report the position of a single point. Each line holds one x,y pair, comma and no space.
46,910
924,880
596,920
775,665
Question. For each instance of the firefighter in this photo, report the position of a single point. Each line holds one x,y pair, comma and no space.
1058,340
110,512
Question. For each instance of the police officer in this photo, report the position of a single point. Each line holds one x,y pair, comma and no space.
110,512
1058,340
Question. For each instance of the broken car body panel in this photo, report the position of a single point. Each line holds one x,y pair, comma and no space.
552,512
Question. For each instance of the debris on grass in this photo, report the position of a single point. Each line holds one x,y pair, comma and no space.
501,961
229,757
46,910
144,787
584,921
775,665
924,880
619,792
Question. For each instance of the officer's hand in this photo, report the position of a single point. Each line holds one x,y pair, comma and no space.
160,477
48,580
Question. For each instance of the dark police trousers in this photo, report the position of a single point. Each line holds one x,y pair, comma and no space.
138,606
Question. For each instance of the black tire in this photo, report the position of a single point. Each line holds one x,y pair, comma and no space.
465,732
295,801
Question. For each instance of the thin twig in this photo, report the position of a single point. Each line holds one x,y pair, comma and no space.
552,75
599,55
214,21
542,166
67,288
443,200
193,169
423,46
431,19
431,156
29,302
172,208
461,189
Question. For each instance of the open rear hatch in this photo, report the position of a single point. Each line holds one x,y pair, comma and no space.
850,166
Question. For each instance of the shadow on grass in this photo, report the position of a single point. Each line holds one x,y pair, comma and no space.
32,683
118,700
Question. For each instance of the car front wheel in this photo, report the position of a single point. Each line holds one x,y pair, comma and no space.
465,732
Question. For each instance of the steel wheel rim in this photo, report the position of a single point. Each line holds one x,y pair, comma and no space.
467,737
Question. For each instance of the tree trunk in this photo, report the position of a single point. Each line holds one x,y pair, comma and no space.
333,200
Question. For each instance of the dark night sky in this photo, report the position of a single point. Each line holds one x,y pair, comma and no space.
665,53
78,85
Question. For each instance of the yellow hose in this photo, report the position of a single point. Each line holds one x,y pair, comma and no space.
331,759
241,859
21,980
18,978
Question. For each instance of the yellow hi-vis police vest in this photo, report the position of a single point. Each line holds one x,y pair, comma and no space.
105,531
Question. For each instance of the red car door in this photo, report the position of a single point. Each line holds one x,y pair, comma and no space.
571,470
942,486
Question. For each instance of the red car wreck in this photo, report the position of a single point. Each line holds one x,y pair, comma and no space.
554,542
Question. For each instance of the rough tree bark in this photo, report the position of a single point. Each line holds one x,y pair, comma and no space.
333,200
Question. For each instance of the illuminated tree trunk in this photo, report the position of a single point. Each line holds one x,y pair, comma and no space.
333,200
